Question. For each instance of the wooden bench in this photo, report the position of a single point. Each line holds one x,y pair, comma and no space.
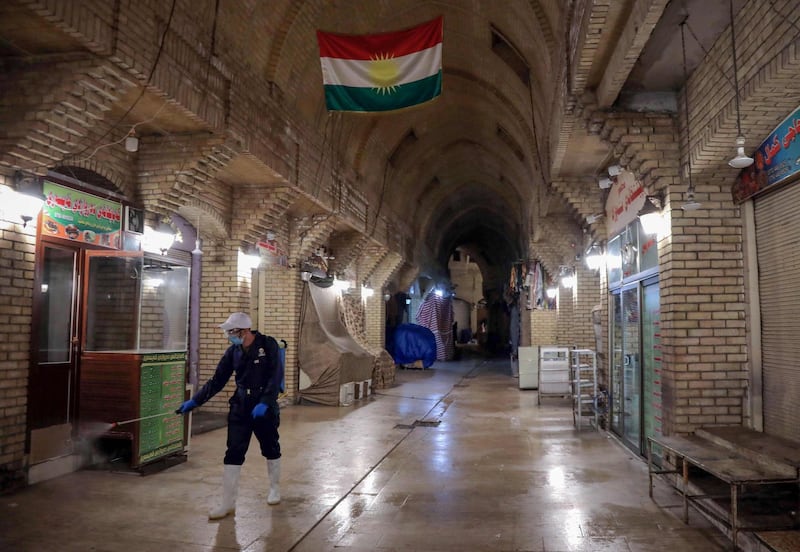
723,463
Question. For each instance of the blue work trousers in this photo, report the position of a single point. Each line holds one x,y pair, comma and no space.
242,425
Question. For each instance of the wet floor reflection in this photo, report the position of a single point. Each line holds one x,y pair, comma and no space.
499,473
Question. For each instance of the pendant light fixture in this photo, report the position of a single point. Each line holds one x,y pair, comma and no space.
741,161
198,243
690,204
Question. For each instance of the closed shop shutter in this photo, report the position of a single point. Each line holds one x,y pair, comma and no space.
777,217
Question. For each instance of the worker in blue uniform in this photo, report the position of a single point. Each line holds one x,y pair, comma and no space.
254,358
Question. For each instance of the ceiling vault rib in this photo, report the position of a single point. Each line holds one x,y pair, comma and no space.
640,25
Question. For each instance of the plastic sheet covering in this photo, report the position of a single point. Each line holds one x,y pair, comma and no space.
412,342
328,355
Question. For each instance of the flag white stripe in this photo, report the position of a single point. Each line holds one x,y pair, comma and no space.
356,72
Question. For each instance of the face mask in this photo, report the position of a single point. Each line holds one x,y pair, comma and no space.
235,339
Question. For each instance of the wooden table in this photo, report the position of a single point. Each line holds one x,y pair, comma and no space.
720,462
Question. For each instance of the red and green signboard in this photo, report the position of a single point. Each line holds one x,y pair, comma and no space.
81,217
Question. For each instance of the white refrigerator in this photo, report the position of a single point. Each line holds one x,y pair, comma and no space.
528,358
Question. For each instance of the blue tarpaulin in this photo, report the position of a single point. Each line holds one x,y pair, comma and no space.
409,343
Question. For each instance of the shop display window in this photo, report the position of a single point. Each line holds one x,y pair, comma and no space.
136,303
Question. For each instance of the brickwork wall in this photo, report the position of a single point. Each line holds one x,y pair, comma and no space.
16,276
703,307
704,372
281,307
113,292
151,335
544,327
53,112
222,291
384,269
586,295
565,317
57,111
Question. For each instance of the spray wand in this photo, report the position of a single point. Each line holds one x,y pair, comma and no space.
116,424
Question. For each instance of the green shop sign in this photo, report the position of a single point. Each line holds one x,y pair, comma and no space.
81,217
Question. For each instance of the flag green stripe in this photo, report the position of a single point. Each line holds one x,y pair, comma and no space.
348,98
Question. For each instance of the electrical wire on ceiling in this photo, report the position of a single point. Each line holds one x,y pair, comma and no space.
691,204
538,189
66,161
154,116
706,53
212,48
162,41
323,150
335,159
380,198
125,137
782,17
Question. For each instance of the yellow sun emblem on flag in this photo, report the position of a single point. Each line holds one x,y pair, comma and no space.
384,73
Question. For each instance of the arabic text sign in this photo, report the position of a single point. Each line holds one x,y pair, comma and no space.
776,159
625,199
81,217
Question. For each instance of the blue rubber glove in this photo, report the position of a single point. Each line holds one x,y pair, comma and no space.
186,407
259,410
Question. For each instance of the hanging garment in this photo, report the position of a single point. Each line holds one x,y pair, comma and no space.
436,314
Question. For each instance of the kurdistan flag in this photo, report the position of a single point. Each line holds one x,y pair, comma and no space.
382,72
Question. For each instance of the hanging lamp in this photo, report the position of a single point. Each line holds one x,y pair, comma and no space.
198,242
741,160
691,204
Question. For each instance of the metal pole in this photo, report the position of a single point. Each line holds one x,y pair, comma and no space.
115,424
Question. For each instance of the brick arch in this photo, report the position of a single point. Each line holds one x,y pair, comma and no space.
256,214
75,99
584,197
491,90
625,132
174,171
306,234
560,237
544,25
97,174
276,53
404,275
358,156
206,219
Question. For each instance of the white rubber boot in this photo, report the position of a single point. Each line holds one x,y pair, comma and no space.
274,469
230,488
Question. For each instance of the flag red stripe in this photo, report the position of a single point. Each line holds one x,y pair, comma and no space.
394,44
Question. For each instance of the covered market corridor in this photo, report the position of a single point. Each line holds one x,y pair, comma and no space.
453,458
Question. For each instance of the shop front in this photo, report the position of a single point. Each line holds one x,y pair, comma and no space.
109,341
769,193
634,328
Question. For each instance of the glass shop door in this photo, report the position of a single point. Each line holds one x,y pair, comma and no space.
651,352
63,282
52,386
626,368
631,368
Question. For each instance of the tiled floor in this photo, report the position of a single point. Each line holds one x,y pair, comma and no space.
498,473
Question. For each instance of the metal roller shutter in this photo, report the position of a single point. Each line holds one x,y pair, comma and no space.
777,218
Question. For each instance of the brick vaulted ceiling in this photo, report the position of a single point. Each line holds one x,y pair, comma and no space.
475,167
